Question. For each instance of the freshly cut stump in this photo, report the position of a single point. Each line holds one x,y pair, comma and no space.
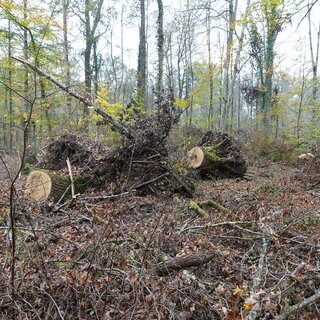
42,185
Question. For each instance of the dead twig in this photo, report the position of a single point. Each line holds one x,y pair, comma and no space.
71,179
302,304
214,225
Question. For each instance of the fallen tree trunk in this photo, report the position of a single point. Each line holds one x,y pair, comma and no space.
206,158
184,262
43,185
218,155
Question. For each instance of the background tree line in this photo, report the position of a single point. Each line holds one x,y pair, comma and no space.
236,66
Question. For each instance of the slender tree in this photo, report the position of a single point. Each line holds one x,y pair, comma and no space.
210,64
232,9
236,70
92,18
142,57
160,46
67,67
314,53
8,88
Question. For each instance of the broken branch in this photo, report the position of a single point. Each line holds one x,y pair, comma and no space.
293,309
108,119
184,262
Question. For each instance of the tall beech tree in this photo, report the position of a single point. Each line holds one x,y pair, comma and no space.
92,18
160,45
231,22
66,51
314,45
142,57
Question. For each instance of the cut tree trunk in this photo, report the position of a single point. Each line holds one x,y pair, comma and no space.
203,157
44,185
210,162
207,160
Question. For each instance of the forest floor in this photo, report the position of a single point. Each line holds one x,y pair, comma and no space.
101,256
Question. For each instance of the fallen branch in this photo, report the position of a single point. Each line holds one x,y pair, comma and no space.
215,205
293,309
213,225
184,262
257,280
195,206
108,119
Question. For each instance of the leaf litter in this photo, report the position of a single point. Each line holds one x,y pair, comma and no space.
96,257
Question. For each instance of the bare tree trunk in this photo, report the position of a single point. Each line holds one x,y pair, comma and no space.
210,66
236,69
96,69
10,100
114,70
169,61
142,58
271,38
121,85
65,7
314,52
90,38
87,54
300,107
160,47
188,42
226,68
274,20
26,72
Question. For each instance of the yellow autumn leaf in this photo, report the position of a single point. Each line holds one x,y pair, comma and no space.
247,307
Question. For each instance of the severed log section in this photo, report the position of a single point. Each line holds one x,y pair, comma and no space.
184,262
203,157
42,185
210,162
206,159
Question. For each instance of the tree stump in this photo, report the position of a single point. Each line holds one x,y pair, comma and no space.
42,185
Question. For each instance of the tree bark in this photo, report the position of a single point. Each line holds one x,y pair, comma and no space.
9,91
184,262
142,58
210,65
226,67
90,38
208,161
160,47
44,185
66,50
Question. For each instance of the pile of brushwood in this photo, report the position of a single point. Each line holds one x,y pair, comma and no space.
140,163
